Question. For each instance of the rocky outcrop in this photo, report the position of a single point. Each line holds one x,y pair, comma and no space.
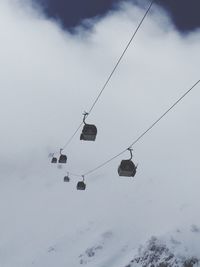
157,254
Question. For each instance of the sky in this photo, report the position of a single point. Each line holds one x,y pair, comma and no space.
184,13
49,77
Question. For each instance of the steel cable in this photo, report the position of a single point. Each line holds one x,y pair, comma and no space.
144,133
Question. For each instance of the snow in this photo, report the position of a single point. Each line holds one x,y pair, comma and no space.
46,222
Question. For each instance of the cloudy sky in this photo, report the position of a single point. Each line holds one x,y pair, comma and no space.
185,14
51,74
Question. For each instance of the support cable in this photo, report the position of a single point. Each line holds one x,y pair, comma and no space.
111,74
144,133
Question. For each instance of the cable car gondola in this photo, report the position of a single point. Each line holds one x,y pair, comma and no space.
67,179
81,185
62,158
127,168
54,160
89,131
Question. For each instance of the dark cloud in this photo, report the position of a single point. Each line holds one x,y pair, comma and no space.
184,13
71,13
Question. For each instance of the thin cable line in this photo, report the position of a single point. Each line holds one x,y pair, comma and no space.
111,74
122,55
144,133
165,113
70,139
104,163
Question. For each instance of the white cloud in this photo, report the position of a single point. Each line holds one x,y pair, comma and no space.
49,77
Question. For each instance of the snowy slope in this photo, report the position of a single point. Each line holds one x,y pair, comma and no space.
46,222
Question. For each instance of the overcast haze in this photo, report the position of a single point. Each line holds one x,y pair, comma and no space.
48,79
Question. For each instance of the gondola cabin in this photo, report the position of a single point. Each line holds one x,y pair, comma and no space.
66,179
54,160
89,132
62,159
127,168
81,185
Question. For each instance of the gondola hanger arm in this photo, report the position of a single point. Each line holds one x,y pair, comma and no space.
131,152
85,114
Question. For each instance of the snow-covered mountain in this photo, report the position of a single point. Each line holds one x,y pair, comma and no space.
157,253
